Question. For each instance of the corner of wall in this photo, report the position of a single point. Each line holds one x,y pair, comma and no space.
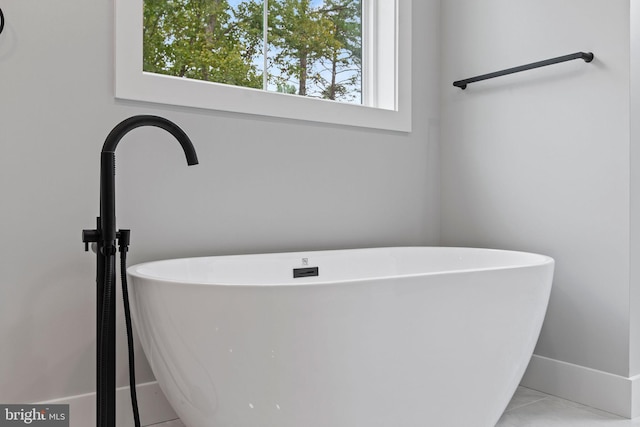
597,389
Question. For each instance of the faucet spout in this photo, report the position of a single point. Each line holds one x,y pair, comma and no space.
131,123
107,169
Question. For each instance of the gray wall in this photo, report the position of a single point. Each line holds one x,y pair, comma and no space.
263,185
634,199
539,161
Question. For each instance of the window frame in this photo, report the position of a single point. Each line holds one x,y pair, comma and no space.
386,76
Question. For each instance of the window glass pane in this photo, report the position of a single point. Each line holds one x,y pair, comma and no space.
314,47
203,40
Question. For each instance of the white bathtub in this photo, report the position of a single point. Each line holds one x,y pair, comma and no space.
387,337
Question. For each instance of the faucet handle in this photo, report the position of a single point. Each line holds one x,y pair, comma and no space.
123,237
90,236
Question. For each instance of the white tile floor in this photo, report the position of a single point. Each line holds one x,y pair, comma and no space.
530,408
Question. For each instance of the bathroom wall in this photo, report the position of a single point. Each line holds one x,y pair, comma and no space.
634,158
263,185
540,161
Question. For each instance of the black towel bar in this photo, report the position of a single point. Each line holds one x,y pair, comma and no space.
587,56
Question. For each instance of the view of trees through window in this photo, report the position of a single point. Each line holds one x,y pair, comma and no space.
313,47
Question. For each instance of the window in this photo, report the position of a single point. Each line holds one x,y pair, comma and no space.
334,61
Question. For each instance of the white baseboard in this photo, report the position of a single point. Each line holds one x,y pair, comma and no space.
598,389
152,404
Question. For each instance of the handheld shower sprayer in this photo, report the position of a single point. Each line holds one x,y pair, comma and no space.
106,239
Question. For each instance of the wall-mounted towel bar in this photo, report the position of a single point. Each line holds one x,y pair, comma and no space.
587,56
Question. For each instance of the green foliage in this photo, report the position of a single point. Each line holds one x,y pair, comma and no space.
197,39
313,50
344,56
286,88
300,36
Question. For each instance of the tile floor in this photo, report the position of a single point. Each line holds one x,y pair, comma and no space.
530,408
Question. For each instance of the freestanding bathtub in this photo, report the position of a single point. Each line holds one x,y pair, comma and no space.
385,337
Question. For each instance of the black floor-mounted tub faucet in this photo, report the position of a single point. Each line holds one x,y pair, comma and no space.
106,238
